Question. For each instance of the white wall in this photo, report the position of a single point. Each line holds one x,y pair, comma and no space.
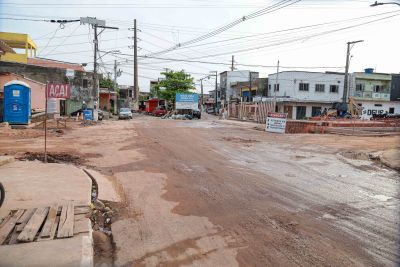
289,85
369,108
237,76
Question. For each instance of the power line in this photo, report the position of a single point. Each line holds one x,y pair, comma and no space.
269,9
228,64
290,29
294,40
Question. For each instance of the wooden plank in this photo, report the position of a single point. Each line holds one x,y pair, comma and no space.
19,226
6,219
51,218
14,236
29,232
26,216
8,227
52,231
66,225
81,209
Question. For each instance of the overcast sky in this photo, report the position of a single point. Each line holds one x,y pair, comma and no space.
259,41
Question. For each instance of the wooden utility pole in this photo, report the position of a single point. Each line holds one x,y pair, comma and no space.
135,66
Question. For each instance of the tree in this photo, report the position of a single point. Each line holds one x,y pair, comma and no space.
174,82
106,83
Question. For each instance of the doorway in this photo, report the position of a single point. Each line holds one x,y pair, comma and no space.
300,112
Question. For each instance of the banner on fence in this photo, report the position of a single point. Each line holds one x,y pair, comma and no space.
276,122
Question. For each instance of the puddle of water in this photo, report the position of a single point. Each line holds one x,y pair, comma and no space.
381,197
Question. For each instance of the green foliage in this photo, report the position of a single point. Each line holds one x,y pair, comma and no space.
174,82
106,83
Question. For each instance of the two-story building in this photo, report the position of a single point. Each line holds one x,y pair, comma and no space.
229,80
373,92
303,94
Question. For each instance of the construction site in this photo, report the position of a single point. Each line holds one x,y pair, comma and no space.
207,192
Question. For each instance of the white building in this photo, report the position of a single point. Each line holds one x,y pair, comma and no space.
227,78
374,92
303,94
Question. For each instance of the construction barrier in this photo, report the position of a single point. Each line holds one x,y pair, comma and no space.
246,111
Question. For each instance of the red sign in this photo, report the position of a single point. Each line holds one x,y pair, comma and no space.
277,115
55,90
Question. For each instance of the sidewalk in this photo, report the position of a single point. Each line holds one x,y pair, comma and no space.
32,184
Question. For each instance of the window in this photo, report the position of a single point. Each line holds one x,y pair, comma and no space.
316,111
391,110
378,89
85,83
276,87
360,87
269,87
334,88
303,86
320,87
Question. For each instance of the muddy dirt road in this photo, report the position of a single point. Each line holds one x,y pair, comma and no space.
217,193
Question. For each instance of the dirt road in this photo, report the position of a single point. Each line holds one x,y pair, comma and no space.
218,193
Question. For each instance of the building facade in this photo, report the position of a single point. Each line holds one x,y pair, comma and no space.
303,94
375,92
60,72
228,80
10,41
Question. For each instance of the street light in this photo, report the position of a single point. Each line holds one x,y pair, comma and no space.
380,4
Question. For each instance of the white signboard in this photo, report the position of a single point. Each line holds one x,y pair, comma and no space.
52,105
187,101
276,122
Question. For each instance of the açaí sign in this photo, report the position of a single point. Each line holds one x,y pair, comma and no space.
56,90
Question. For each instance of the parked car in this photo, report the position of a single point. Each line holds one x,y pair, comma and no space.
125,113
159,111
210,110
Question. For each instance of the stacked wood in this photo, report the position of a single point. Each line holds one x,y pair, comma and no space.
43,224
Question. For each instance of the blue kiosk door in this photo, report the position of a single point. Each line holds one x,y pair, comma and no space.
17,102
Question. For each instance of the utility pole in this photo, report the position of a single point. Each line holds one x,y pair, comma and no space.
346,74
96,47
202,95
233,62
276,82
250,93
135,66
96,23
216,91
115,86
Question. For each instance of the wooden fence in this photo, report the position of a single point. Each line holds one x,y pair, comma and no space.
251,111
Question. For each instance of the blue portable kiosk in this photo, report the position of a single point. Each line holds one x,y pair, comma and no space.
17,102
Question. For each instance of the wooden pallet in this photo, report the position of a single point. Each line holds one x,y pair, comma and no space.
40,224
